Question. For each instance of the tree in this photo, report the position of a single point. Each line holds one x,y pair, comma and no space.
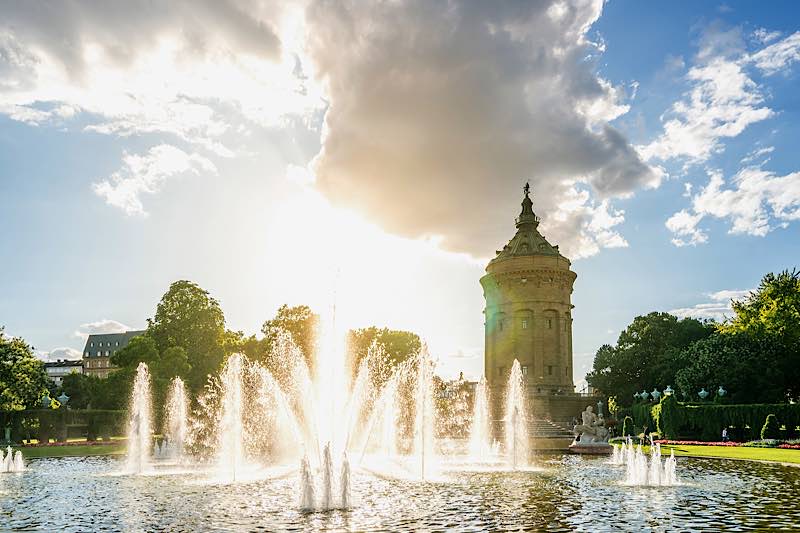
394,346
301,323
771,428
189,318
743,363
174,361
81,389
23,380
773,310
648,354
140,349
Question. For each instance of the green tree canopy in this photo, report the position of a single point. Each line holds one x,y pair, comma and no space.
647,355
140,349
23,380
189,318
742,363
395,347
773,308
302,325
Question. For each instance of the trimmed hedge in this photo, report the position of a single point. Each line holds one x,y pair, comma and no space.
771,428
60,424
676,420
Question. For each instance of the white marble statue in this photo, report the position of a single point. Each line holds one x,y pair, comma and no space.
592,430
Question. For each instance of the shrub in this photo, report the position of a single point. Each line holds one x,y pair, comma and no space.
771,428
627,426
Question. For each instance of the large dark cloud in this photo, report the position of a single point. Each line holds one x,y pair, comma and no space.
439,111
125,27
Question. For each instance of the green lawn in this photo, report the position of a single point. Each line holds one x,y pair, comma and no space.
734,452
113,448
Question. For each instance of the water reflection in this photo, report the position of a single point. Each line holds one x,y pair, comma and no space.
567,493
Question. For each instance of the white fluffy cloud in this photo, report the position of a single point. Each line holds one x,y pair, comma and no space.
439,112
717,306
101,326
62,353
755,202
146,174
723,101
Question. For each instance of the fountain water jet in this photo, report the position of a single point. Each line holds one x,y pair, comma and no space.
480,430
307,485
140,423
327,477
12,462
230,459
516,418
345,481
424,411
643,471
176,420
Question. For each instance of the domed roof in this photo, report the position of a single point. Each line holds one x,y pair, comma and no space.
528,240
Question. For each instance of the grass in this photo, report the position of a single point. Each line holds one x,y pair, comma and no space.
74,450
777,455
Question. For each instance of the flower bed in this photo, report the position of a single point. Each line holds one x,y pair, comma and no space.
697,443
762,443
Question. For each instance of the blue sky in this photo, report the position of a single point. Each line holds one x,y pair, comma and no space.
291,156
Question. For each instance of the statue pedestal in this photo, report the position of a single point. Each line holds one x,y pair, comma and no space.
591,448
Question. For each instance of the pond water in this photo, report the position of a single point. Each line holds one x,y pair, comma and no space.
563,493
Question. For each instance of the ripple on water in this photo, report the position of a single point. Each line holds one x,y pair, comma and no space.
565,494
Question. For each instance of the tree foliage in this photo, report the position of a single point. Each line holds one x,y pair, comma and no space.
23,380
746,365
771,428
397,345
189,318
302,325
647,355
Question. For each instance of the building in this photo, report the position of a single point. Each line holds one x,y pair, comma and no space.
99,349
528,317
56,370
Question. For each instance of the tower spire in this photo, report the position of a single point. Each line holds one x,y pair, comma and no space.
527,216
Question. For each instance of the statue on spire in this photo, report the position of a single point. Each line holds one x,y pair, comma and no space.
527,188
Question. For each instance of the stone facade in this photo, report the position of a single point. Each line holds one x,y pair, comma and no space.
528,314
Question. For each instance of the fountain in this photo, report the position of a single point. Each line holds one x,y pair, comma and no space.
480,430
327,477
306,485
12,462
516,419
176,421
230,452
643,471
344,484
140,423
424,417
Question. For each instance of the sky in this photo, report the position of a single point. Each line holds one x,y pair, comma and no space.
373,155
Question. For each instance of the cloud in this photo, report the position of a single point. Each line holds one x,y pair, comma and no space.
718,308
724,99
146,174
99,327
755,202
195,70
684,225
439,112
56,354
756,154
779,55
